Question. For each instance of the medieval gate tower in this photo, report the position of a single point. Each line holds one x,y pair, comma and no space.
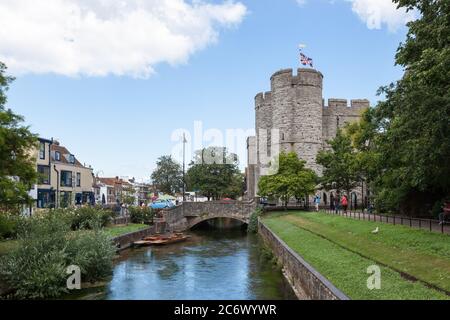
295,110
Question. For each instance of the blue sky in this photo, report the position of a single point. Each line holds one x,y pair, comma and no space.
122,122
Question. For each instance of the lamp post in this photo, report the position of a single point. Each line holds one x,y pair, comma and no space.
184,167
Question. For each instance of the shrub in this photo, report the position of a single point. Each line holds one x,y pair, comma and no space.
141,215
89,218
9,225
47,246
93,252
253,224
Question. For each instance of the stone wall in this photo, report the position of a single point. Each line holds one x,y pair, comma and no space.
126,241
188,214
305,280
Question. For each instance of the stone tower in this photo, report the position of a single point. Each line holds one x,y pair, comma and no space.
295,109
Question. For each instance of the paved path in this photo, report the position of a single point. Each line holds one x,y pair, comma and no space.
425,224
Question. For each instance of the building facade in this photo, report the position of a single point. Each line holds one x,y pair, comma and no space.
293,116
62,180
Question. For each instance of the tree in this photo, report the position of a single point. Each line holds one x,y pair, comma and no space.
17,168
293,179
412,123
340,164
215,174
168,176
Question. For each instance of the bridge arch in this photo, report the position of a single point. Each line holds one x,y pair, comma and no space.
190,214
192,222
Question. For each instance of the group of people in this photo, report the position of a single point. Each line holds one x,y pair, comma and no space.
336,203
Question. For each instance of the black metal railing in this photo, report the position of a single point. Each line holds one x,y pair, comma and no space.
419,223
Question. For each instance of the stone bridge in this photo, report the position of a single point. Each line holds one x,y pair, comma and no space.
189,214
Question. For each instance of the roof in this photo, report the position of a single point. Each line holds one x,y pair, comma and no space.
64,155
113,181
45,140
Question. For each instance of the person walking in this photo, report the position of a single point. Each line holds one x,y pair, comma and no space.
337,204
344,203
317,200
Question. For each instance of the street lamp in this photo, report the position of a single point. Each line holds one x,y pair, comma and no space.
184,167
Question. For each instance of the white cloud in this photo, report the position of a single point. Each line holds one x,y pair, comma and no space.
376,13
101,37
301,3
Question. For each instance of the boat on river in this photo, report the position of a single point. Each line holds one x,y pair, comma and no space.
162,240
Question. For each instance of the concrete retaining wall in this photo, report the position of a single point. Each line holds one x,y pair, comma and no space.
126,241
305,280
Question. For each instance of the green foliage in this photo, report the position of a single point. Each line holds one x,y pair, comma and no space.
215,174
168,176
293,179
341,167
253,224
141,215
410,130
9,225
85,217
16,161
93,253
37,268
90,218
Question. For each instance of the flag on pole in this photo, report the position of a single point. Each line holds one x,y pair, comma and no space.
304,60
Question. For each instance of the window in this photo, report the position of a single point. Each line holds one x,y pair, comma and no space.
42,151
78,179
57,156
43,175
66,179
71,159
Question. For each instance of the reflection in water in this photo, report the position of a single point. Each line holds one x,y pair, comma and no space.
213,265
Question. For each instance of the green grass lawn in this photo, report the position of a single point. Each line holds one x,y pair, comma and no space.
342,249
116,231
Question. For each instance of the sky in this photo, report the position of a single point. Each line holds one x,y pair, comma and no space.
115,80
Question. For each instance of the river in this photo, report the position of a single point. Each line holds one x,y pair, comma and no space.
212,265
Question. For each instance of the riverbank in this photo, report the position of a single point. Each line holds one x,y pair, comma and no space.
212,265
122,236
414,264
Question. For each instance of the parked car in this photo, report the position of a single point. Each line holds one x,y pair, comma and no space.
162,204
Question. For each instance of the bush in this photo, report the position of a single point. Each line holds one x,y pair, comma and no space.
9,225
141,215
93,253
253,224
89,218
47,246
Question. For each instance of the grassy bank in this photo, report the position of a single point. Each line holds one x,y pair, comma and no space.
116,231
342,250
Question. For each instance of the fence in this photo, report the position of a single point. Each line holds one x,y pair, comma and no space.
420,223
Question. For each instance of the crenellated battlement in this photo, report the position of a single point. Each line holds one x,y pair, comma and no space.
360,103
262,98
287,79
355,103
333,102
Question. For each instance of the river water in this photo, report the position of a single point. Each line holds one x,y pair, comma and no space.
212,265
